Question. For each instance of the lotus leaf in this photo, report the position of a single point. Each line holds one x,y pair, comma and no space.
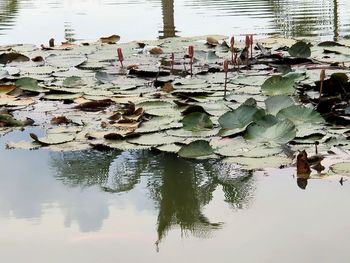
196,149
278,85
279,133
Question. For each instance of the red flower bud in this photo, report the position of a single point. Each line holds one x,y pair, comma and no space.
323,74
247,41
232,42
120,54
190,51
226,62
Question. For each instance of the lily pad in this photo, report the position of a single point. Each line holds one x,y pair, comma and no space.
278,85
154,139
53,138
236,121
196,149
276,103
300,115
341,168
4,89
300,50
29,84
197,121
279,133
66,60
259,163
73,82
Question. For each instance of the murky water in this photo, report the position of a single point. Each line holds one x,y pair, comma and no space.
141,206
36,21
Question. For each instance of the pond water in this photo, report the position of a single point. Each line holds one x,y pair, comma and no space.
137,206
36,21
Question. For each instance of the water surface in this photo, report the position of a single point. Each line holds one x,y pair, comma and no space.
36,21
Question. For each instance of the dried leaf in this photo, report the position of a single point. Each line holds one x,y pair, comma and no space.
110,40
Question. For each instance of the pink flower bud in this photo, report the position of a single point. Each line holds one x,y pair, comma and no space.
247,41
232,42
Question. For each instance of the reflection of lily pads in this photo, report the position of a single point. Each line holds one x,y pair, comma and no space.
341,168
236,121
197,121
196,149
300,114
275,103
280,133
278,85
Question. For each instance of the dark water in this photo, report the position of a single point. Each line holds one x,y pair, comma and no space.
36,21
141,206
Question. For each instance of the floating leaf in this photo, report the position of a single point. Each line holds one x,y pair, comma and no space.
154,139
6,120
278,85
236,121
65,61
60,96
29,84
341,168
4,89
73,82
196,149
53,138
300,50
276,103
197,121
6,58
259,163
110,39
279,133
300,115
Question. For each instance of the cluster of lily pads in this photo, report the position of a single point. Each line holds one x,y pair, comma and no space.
82,97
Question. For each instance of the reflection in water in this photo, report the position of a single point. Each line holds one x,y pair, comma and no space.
180,188
168,19
8,11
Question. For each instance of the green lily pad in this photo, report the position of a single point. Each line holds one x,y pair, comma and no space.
9,121
300,50
73,82
238,146
300,115
279,133
276,103
53,138
236,121
196,149
278,85
259,163
197,121
29,84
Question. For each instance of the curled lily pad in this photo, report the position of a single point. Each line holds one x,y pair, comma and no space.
197,121
196,149
279,133
236,121
7,120
278,85
276,103
4,89
53,138
300,115
300,50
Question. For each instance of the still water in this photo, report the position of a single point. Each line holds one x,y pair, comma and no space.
36,21
145,207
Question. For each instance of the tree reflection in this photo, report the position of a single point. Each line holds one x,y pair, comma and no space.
8,11
168,19
180,188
